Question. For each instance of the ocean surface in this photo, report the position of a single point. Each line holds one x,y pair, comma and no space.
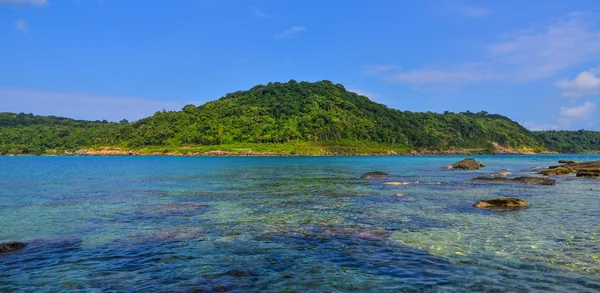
292,224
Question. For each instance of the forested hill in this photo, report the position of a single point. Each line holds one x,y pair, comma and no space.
292,112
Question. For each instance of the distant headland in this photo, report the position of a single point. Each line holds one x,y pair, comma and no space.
293,118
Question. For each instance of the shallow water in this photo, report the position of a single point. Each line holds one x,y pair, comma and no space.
293,224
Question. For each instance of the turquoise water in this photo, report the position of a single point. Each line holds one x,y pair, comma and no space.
293,224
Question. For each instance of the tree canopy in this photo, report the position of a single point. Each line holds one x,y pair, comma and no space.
287,112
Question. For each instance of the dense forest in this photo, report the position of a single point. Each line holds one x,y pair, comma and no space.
289,112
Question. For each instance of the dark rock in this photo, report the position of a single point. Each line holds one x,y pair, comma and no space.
557,170
11,246
468,164
374,175
566,162
589,173
534,180
521,180
501,203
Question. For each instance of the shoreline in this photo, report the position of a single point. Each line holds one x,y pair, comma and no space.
275,154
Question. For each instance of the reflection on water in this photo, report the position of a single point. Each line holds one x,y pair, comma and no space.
292,225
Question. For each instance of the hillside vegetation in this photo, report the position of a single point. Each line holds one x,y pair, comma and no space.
293,114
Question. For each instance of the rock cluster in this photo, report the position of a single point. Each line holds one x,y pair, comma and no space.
582,169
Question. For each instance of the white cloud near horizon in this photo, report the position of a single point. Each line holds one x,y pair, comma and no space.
517,57
21,25
80,106
585,84
584,111
361,92
474,12
567,118
32,2
290,32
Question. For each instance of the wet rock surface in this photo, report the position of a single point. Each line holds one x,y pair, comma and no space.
587,168
468,164
501,203
589,173
7,247
518,180
374,175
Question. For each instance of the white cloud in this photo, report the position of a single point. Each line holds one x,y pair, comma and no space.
585,84
21,25
80,106
32,2
584,111
290,32
518,57
377,69
537,127
474,12
365,93
576,117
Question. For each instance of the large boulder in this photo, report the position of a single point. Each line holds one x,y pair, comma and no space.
11,246
501,203
374,175
468,164
519,180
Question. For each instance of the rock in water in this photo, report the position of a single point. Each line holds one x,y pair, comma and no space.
589,173
566,162
521,180
560,170
468,164
501,203
374,175
534,180
501,174
11,246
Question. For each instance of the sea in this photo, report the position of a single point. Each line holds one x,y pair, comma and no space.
293,224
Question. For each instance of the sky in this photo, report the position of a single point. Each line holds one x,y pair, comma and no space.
537,62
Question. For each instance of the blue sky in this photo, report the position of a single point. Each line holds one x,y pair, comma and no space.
537,62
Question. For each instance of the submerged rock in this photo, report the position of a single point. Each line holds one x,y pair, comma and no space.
521,180
501,203
566,162
468,164
356,232
11,246
374,175
176,208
